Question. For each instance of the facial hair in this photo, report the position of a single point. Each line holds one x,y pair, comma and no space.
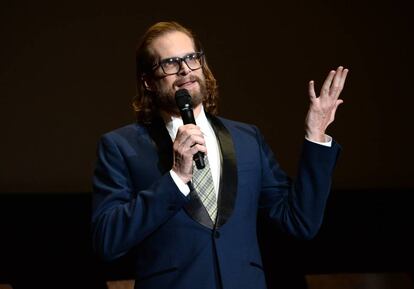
165,99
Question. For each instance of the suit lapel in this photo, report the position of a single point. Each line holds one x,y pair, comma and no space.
162,140
228,178
197,211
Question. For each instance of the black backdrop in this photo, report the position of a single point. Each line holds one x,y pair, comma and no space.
67,76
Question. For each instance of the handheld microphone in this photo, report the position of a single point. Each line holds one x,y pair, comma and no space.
183,100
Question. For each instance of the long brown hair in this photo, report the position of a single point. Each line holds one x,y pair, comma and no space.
143,104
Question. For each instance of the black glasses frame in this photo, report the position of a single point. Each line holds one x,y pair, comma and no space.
180,60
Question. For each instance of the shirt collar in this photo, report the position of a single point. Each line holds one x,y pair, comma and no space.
173,123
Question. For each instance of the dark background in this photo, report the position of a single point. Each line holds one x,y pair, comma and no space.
67,76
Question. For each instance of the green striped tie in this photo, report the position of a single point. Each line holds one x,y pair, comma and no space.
204,186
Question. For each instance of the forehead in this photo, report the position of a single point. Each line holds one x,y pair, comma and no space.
171,44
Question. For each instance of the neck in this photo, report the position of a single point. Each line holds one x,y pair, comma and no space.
167,115
197,110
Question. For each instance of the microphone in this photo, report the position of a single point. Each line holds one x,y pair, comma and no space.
183,100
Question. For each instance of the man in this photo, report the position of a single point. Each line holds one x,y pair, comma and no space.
149,200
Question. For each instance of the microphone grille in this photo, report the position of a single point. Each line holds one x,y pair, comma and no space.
182,98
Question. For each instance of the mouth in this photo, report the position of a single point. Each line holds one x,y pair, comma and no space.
186,83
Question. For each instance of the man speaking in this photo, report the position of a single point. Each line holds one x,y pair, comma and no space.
194,226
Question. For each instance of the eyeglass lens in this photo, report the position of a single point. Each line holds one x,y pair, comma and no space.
173,65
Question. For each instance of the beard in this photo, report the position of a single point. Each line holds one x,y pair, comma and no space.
165,98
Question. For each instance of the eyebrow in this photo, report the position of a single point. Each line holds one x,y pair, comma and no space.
172,57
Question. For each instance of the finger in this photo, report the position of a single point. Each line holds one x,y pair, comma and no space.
186,127
184,133
187,140
195,131
192,141
337,104
198,148
343,78
327,83
311,89
335,87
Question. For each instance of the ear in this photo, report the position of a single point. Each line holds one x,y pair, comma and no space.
148,84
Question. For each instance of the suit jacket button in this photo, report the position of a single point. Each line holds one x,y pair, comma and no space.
216,234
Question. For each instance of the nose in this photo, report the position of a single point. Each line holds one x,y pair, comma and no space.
184,69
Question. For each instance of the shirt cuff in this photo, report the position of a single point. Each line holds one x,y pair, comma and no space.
184,189
327,143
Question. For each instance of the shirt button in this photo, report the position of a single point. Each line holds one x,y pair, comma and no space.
216,234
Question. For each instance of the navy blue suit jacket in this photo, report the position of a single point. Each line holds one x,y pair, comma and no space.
139,209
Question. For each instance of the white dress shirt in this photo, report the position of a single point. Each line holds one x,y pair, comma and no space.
213,151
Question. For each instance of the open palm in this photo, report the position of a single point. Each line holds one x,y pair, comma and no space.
322,108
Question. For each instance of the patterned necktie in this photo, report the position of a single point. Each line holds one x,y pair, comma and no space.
204,186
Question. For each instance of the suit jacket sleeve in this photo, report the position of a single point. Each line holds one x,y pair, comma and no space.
298,206
121,216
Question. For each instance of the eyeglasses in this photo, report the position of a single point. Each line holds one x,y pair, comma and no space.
172,65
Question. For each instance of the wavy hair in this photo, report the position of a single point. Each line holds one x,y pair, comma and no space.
143,103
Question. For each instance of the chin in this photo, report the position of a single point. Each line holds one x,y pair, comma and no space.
191,89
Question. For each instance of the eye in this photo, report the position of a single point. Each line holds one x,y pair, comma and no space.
169,62
192,56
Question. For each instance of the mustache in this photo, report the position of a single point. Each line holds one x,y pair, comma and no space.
183,80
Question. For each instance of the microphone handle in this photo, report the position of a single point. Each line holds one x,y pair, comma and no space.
188,117
199,160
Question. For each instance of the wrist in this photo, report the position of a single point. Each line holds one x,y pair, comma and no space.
316,136
184,177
